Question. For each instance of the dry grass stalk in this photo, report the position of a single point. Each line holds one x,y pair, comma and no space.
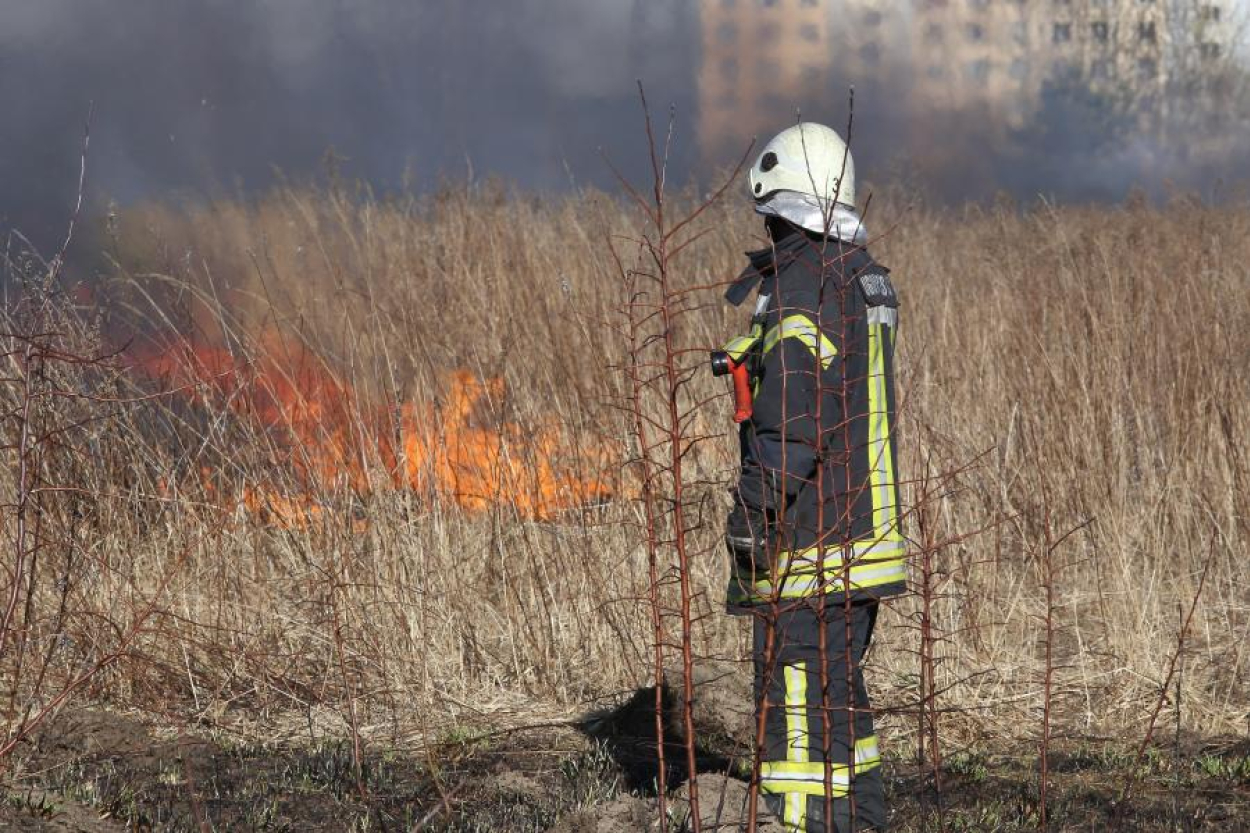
1093,348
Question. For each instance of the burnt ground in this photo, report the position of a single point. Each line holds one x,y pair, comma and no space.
95,771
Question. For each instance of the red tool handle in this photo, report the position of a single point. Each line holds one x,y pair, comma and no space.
743,406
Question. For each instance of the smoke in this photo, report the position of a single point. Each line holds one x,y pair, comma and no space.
217,95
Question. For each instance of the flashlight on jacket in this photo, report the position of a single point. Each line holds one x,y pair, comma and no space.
734,361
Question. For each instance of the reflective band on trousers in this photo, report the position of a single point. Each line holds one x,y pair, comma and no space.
802,328
796,711
795,813
808,777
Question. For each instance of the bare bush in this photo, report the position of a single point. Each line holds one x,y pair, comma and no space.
74,612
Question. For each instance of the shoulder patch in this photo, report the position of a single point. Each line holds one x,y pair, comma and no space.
875,284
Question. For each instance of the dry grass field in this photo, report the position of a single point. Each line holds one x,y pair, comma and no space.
383,490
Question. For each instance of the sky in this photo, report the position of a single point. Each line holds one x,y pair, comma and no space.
195,97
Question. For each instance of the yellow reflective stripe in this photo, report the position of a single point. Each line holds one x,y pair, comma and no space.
798,791
867,756
740,344
796,737
808,584
861,552
805,785
796,810
799,583
796,712
802,328
804,778
880,457
738,347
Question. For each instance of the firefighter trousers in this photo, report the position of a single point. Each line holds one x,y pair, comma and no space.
816,712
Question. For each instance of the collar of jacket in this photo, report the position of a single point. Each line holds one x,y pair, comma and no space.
764,263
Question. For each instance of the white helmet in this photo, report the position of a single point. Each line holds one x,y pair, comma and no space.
808,159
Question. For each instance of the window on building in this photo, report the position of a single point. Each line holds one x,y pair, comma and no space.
872,17
728,4
978,4
810,74
1147,32
870,53
729,67
1100,30
936,71
1019,69
727,33
809,32
1020,32
976,32
810,4
1062,33
771,3
1209,50
979,71
1210,14
933,33
769,31
1100,68
1147,67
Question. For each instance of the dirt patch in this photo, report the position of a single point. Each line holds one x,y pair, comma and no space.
89,732
96,772
724,804
93,765
41,812
1202,788
623,814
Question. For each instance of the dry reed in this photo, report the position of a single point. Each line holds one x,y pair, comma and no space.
1069,366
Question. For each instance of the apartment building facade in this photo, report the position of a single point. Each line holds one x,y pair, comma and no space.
993,57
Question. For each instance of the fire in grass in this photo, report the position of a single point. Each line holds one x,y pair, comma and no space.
322,433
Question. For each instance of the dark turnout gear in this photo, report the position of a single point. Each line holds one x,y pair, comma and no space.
748,532
814,534
818,453
816,713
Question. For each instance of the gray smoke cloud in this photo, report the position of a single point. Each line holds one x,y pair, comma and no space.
198,96
218,94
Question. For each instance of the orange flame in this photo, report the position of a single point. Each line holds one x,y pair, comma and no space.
455,451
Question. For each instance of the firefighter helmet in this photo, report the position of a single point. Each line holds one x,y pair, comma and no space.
808,159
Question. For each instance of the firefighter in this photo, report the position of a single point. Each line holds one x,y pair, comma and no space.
814,531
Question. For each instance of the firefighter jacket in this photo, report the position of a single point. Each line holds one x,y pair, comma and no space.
819,461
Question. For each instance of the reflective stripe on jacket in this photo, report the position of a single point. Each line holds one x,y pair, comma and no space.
819,452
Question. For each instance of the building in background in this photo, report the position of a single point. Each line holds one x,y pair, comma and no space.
758,57
1000,55
993,60
765,61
